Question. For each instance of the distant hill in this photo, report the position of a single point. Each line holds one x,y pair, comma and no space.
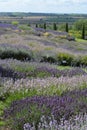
42,17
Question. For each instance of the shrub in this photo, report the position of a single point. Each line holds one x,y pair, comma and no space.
65,59
50,59
48,56
46,34
19,55
76,34
80,61
24,27
77,61
84,60
15,23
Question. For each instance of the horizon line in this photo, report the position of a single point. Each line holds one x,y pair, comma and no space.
40,12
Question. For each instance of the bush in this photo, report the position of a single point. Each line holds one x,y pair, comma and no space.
48,56
24,27
19,55
15,23
80,61
76,34
46,34
50,59
84,60
65,59
77,61
79,24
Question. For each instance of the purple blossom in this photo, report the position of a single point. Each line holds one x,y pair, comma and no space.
61,107
5,25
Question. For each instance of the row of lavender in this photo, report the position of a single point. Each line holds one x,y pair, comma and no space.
59,111
42,86
16,69
63,104
5,25
25,53
56,110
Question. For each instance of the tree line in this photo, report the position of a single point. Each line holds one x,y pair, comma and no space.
80,25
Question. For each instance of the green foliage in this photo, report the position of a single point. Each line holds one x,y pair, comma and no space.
79,24
42,74
54,26
65,59
44,26
48,58
24,27
2,123
17,95
53,90
15,23
64,67
23,68
36,25
77,61
4,95
2,107
83,32
76,34
19,55
80,61
80,40
28,24
84,60
61,27
31,114
67,30
41,25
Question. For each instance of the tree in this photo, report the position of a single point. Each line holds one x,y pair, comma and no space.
83,32
78,25
54,26
67,29
44,26
36,25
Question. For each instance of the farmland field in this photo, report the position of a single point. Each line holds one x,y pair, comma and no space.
43,77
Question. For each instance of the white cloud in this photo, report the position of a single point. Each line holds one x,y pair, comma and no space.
44,6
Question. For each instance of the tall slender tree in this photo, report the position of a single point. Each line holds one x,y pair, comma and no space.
36,25
67,28
83,31
54,26
44,26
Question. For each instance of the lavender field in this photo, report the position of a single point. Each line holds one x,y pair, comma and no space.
43,79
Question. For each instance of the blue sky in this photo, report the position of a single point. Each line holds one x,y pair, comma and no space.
47,6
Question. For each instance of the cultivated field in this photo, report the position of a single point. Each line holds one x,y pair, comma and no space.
43,79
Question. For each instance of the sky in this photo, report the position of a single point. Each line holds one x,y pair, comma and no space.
44,6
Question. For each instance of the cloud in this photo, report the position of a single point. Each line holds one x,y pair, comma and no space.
54,6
